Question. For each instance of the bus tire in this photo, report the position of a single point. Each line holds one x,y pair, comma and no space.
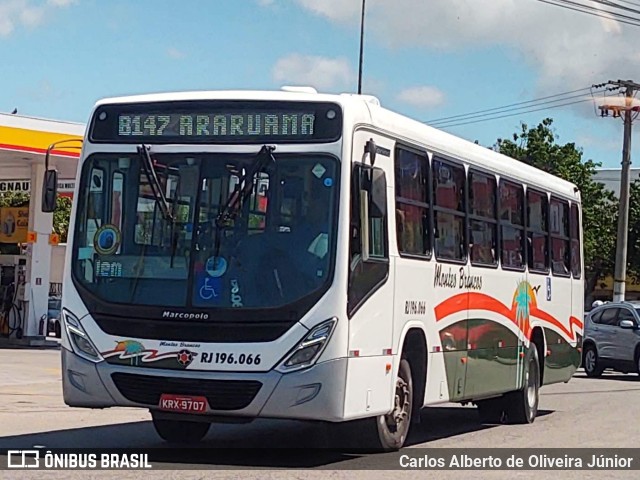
491,411
522,405
393,428
180,431
384,433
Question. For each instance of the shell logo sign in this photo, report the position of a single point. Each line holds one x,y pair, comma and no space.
14,224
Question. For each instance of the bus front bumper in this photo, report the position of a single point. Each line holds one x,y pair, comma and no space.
316,393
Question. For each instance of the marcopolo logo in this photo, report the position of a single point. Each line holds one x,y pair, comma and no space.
185,315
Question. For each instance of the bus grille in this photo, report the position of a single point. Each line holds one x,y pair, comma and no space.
221,394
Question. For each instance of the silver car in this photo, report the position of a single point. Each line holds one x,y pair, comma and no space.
612,338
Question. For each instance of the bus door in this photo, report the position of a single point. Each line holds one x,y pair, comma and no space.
370,284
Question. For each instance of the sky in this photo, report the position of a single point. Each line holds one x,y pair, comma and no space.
425,59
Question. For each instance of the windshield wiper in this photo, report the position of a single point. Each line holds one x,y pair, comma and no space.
245,185
154,183
241,193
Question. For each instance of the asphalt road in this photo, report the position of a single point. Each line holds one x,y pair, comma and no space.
593,413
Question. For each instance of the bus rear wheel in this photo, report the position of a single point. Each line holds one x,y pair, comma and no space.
180,431
522,405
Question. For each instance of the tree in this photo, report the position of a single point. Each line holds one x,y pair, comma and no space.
14,199
538,147
633,246
61,215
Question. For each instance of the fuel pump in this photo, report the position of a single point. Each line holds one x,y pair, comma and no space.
12,290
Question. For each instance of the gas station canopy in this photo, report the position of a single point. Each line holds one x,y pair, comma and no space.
24,142
23,145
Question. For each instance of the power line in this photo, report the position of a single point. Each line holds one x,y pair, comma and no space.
438,120
513,114
609,3
637,4
597,10
578,7
513,109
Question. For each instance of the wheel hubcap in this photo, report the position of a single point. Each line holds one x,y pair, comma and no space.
589,361
396,420
531,386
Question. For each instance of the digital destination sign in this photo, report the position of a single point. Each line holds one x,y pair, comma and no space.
217,122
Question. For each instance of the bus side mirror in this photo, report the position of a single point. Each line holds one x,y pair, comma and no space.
49,191
371,148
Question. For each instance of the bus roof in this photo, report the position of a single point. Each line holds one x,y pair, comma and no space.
368,110
438,141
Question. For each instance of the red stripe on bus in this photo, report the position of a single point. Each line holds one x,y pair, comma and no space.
481,301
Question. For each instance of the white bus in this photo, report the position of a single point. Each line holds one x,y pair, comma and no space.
296,255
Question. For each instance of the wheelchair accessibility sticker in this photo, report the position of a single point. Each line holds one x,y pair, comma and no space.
209,289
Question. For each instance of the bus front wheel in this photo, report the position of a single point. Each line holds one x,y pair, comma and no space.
385,432
180,431
393,428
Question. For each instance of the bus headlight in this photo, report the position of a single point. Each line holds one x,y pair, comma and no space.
79,339
309,349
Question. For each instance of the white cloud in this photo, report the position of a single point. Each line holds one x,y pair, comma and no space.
44,91
339,10
599,141
61,3
568,49
28,13
32,16
320,72
175,54
422,96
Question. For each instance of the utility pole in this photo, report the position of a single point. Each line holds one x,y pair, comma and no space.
361,49
620,273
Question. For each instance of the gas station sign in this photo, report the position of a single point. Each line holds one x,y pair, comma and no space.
65,187
14,224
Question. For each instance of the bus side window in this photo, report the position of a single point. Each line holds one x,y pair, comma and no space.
560,244
511,204
483,223
449,211
537,231
369,271
576,264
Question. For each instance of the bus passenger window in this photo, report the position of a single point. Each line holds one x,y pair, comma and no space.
512,225
575,242
560,249
449,206
483,222
412,207
537,231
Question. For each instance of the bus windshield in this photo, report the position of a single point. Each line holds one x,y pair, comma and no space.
273,248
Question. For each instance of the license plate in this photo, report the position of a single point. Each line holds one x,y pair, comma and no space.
183,403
